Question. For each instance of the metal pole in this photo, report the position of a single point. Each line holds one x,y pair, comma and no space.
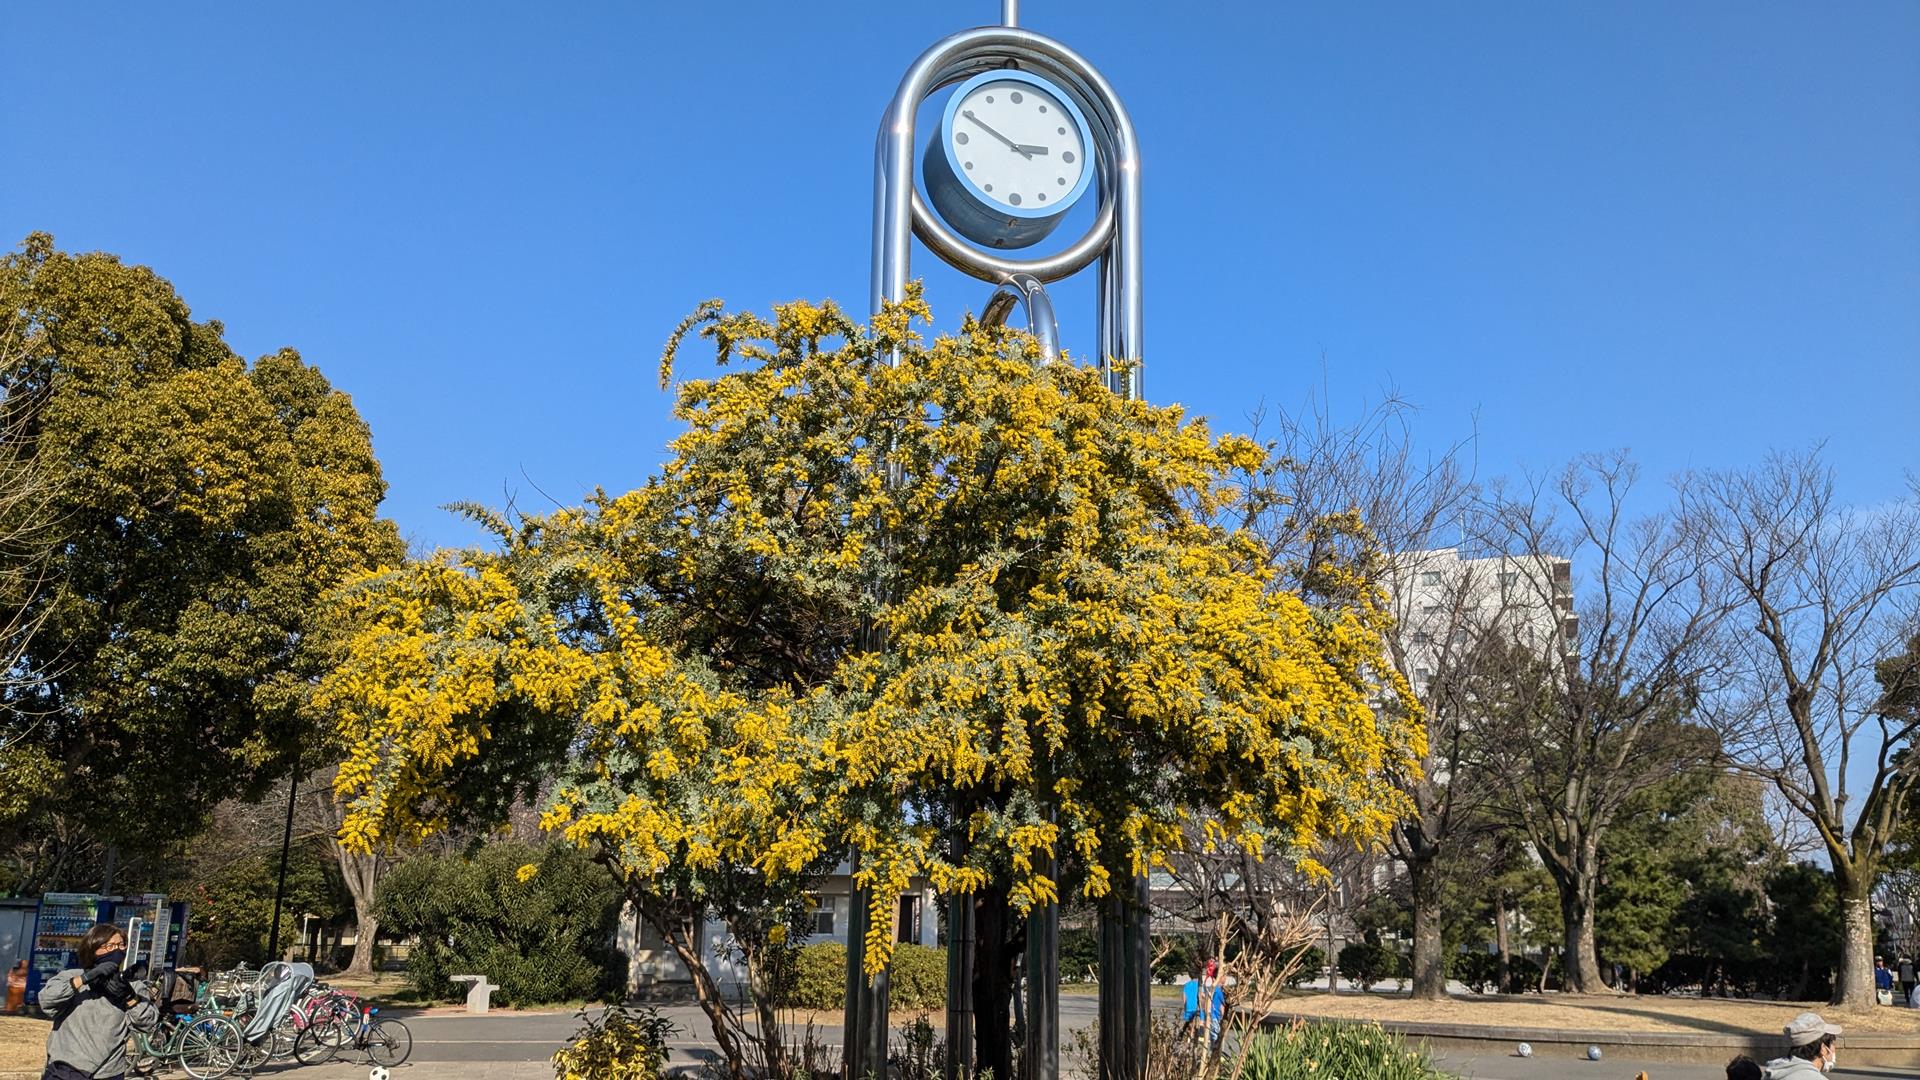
280,886
960,935
853,1041
1026,290
1009,12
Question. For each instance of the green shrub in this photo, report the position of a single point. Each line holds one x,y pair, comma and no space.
1320,1051
1477,968
1180,955
545,939
1312,964
1079,955
1368,964
917,978
616,1044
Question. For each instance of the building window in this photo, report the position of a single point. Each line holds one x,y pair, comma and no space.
1421,637
1509,577
908,928
1422,675
823,915
1430,577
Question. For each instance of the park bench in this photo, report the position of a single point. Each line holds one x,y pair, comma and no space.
478,992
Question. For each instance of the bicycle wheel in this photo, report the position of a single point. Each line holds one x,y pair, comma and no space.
389,1042
321,1040
280,1048
210,1047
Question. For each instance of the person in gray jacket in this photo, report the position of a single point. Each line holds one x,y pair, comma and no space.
94,1008
1814,1052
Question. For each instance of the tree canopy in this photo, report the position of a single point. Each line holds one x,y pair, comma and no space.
876,572
201,507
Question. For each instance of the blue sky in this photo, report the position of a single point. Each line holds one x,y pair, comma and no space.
1687,228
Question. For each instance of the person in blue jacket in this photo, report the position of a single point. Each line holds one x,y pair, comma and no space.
1205,981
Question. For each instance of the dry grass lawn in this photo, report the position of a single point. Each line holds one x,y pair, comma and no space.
23,1046
1581,1012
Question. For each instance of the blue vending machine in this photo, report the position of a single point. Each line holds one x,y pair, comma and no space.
60,922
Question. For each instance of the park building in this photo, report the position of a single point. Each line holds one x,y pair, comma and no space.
654,970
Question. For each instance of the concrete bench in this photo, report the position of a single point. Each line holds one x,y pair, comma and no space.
478,992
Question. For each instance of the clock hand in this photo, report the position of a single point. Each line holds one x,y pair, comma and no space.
1031,149
1011,145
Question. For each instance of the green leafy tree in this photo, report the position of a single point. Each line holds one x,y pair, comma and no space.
204,506
232,907
1804,936
537,922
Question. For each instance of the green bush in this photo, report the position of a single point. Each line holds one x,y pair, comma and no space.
1319,1051
545,939
1079,955
1368,964
1312,963
1477,968
917,978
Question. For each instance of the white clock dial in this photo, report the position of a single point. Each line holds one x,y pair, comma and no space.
1018,144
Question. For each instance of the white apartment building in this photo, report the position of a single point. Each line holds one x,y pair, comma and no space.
1442,603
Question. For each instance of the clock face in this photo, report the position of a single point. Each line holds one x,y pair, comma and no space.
1018,144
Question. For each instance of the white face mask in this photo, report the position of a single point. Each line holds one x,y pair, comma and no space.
1831,1059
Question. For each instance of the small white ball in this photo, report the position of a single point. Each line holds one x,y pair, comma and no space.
379,1072
1526,1049
1593,1053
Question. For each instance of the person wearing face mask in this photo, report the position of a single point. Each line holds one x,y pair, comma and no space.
1815,1049
94,1007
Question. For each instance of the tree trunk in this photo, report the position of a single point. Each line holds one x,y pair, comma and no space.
1429,955
1853,983
993,982
1582,966
361,874
1503,972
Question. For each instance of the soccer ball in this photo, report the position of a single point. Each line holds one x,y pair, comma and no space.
1593,1053
379,1072
1526,1049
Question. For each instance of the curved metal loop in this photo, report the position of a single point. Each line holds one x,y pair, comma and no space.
1114,238
1026,290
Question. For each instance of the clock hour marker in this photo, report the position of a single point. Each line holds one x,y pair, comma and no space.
969,165
1014,198
1067,157
1043,108
1042,196
961,138
1062,131
989,187
1061,180
1015,96
989,99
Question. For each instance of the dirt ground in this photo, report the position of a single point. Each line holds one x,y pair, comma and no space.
23,1046
1598,1013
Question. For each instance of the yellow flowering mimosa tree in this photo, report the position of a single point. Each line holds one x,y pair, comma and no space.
863,592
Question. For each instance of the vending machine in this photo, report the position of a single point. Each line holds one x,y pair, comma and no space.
155,927
62,919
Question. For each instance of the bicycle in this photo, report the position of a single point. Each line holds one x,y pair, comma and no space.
385,1040
206,1047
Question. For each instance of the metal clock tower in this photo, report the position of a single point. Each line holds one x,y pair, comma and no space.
1030,130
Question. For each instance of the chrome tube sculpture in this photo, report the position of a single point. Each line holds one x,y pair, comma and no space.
1008,60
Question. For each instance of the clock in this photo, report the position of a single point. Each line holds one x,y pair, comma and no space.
1008,160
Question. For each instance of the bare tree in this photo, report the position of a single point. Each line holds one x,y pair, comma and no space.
1361,497
1824,592
1596,705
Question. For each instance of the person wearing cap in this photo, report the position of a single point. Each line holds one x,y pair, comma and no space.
1813,1051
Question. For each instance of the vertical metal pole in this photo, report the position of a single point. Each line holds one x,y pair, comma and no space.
960,936
853,1041
280,887
1009,12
